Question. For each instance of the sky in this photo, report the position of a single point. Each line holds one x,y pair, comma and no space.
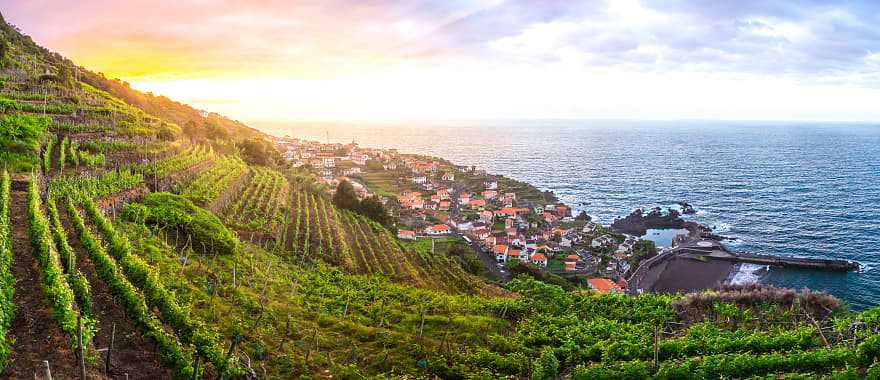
278,61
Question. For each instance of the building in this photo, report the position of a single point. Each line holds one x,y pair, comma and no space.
604,285
571,263
420,179
438,230
406,235
444,206
501,251
602,241
449,176
539,259
515,254
478,204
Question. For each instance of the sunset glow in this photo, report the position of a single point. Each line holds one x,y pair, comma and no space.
273,61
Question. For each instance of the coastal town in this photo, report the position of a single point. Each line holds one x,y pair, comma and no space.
510,225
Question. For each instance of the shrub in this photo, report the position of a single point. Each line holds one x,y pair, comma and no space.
176,212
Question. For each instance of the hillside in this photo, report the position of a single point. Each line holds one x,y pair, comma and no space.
136,222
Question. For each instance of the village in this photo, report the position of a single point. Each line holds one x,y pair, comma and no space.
509,224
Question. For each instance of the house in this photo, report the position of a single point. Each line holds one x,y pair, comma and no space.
604,285
571,263
550,217
464,198
480,233
438,229
328,162
448,176
435,198
478,203
539,259
351,171
515,254
491,185
563,211
487,216
443,194
390,166
464,226
420,179
444,206
501,251
565,242
490,194
602,241
589,228
406,235
511,232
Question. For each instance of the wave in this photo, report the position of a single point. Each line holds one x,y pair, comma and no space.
748,274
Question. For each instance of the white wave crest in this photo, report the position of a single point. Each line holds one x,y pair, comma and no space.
748,274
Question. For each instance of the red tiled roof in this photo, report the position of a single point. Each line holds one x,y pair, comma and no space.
539,257
603,285
500,248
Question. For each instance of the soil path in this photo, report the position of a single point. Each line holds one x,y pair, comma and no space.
37,337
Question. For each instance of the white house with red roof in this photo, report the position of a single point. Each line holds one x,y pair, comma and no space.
501,251
448,176
438,230
539,259
406,235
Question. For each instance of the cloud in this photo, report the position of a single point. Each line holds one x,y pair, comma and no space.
488,58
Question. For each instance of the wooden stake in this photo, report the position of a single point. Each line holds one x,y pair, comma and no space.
110,349
656,350
82,358
196,367
48,371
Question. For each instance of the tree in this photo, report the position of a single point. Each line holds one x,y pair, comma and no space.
345,198
259,151
372,208
4,52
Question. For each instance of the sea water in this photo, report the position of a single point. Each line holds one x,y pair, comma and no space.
804,189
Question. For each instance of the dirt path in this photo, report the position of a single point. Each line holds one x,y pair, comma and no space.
37,337
132,353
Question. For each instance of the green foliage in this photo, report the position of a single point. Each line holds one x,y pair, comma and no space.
171,352
262,205
259,151
345,197
19,131
189,330
103,185
177,213
91,160
77,281
547,366
56,288
7,105
7,281
205,188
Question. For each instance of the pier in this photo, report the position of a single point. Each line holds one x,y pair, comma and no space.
708,249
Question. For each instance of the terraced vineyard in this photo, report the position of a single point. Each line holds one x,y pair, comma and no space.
180,288
207,187
262,204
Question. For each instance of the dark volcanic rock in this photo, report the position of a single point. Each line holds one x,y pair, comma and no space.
687,208
637,223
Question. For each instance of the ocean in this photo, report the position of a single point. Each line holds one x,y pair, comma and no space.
804,189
